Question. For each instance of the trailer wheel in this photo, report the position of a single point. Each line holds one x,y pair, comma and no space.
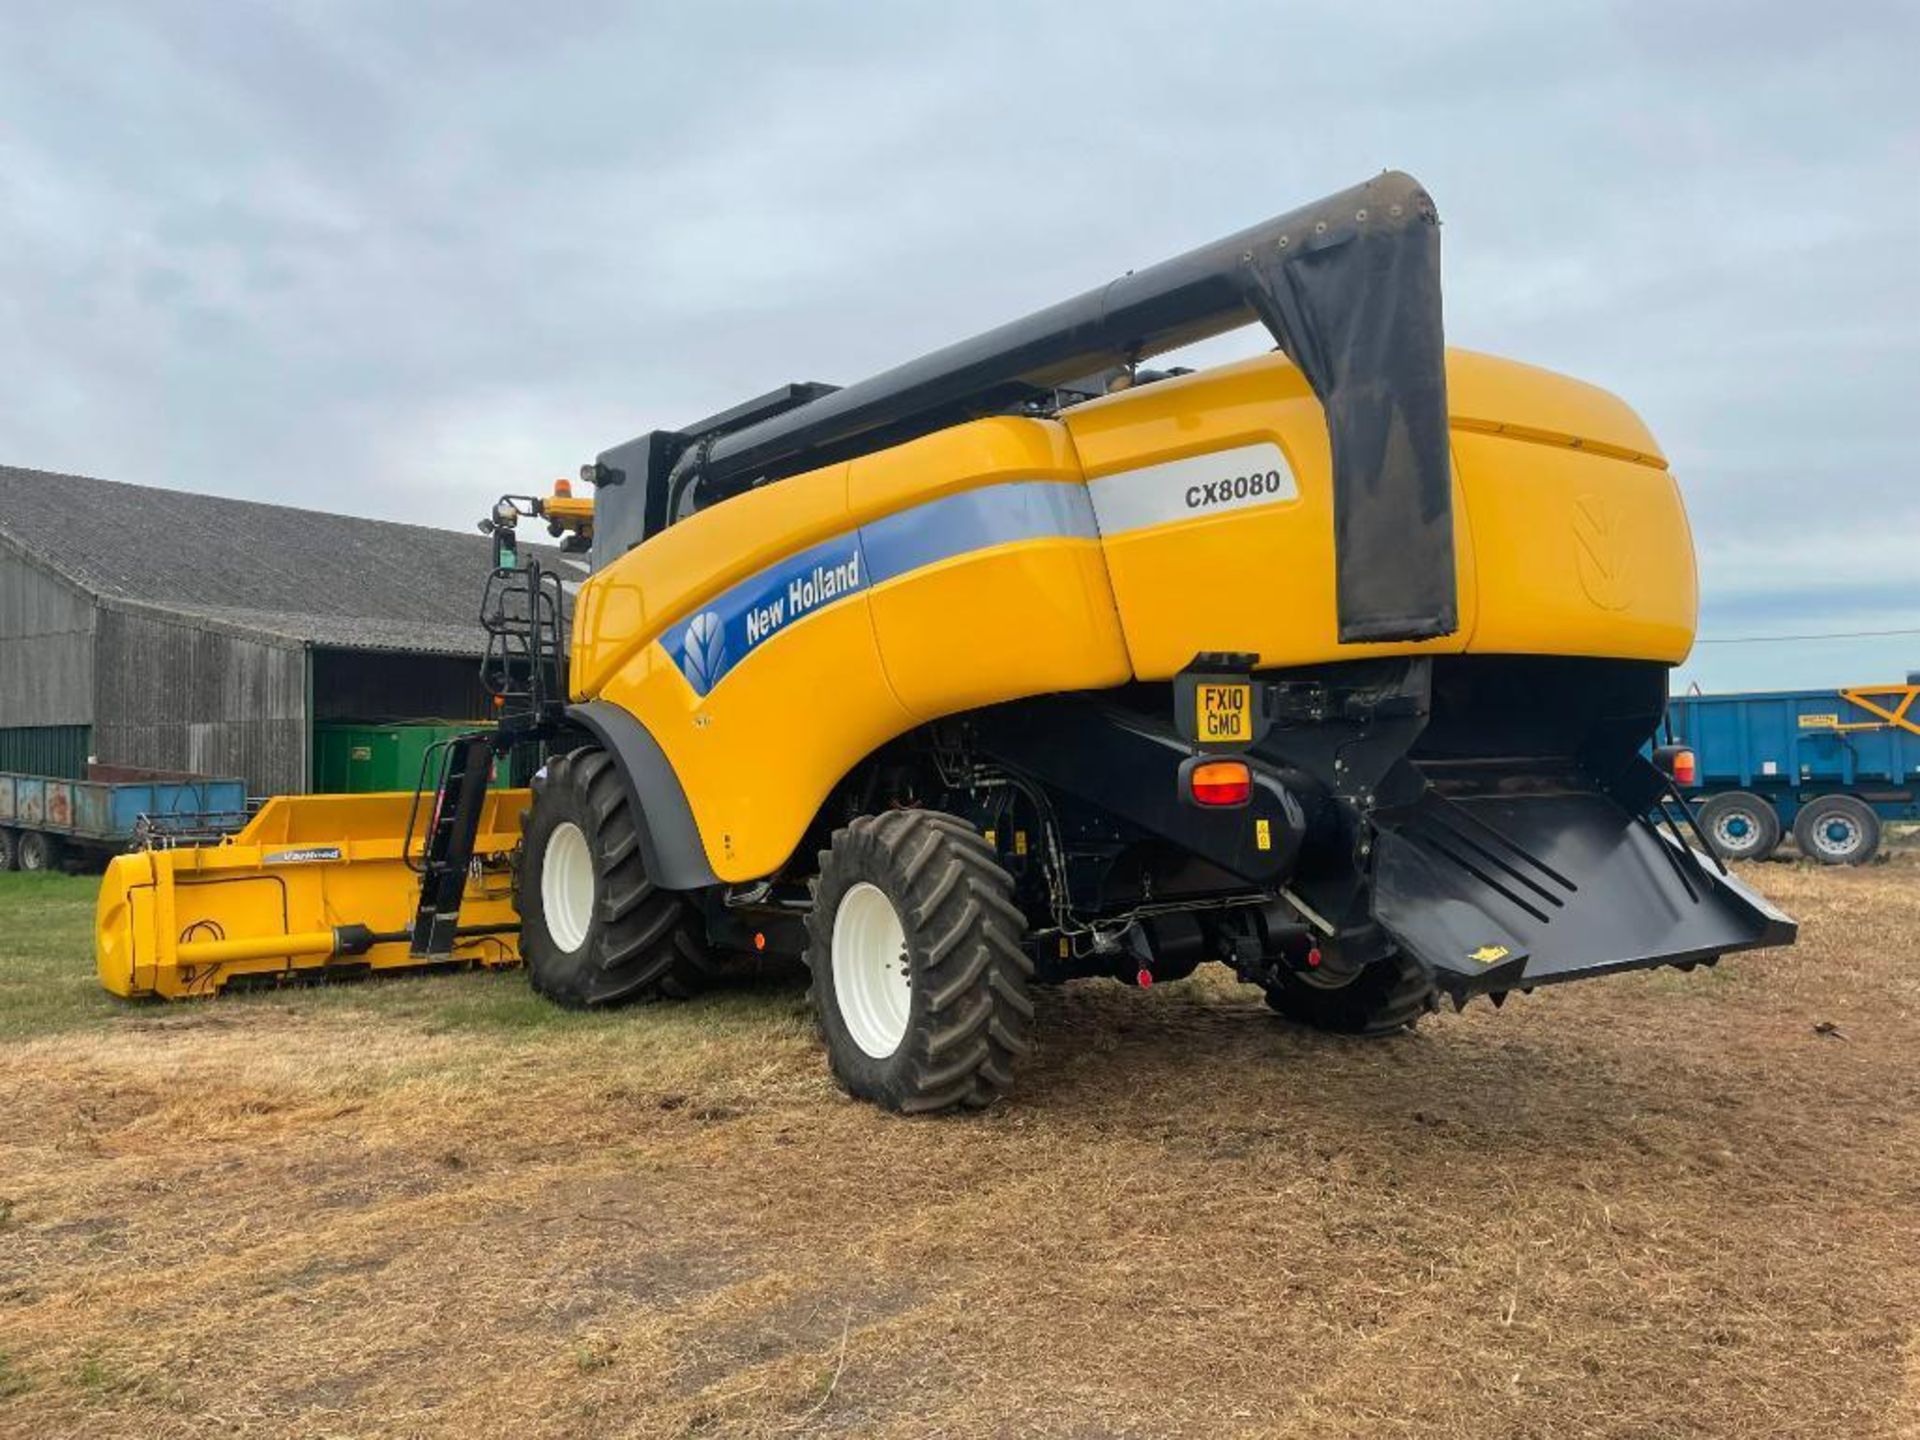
39,851
919,978
1740,826
1388,996
1837,830
593,929
9,850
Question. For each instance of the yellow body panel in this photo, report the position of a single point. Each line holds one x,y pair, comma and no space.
1257,581
1488,394
759,754
1594,555
1039,618
186,922
1012,557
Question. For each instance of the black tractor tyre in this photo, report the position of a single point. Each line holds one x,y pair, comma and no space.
1837,830
1385,998
9,850
39,851
962,1014
613,935
1740,826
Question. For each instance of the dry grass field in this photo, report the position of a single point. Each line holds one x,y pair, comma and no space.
1659,1205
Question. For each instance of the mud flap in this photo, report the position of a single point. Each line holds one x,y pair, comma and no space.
1499,892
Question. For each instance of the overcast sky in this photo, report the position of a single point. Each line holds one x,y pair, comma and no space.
392,259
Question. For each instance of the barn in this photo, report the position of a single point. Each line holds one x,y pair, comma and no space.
289,647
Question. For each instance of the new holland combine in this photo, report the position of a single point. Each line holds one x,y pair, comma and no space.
1025,662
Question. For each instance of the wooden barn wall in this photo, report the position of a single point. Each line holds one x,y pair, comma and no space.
46,647
176,697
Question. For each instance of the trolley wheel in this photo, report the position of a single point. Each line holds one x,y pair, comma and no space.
1837,830
39,851
1740,826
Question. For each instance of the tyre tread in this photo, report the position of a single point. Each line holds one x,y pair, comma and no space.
957,904
649,944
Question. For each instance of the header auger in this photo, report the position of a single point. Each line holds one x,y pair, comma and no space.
1024,662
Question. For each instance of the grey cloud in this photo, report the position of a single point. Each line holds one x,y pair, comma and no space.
394,259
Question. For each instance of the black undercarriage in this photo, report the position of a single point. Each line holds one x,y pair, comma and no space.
1493,816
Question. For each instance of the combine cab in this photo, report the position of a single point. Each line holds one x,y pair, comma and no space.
1025,662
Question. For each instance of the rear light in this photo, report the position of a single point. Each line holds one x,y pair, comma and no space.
1221,783
1678,761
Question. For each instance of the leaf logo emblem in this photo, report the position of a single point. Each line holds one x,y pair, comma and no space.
703,652
1600,560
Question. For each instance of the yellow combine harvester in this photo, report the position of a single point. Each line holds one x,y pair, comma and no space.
1025,662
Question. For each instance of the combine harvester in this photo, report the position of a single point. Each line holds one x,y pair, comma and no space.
1024,662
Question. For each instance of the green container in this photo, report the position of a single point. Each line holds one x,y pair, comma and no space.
361,759
56,750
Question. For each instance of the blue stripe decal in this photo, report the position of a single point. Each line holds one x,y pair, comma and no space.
975,520
709,644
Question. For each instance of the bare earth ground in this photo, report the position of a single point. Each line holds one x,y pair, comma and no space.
1656,1205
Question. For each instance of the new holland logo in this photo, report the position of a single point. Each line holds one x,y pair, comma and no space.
703,656
1600,558
1487,954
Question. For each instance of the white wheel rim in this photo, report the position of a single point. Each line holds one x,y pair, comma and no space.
566,886
1837,834
1737,842
872,982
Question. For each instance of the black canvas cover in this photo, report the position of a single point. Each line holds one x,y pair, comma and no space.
1348,286
1356,306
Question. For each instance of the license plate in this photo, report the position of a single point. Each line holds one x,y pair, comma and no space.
1223,714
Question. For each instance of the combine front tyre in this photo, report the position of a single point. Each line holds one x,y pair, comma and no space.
594,929
918,974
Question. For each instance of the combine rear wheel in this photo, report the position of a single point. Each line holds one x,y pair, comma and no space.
918,975
1386,997
594,929
1837,830
1740,826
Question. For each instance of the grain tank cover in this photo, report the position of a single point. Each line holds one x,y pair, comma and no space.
1349,287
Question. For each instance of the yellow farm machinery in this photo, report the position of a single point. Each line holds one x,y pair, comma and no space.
1027,662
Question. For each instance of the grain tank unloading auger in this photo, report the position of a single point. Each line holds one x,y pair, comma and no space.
1023,662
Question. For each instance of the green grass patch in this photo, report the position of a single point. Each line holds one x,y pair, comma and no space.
47,980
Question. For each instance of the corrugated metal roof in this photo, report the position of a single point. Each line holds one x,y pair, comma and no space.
294,575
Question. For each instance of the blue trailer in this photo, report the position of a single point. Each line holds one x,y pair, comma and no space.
45,822
1830,767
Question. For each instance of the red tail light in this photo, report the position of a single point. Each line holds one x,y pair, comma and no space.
1221,783
1685,770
